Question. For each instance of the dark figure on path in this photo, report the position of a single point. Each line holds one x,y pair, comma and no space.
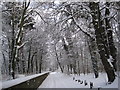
85,82
78,81
13,75
81,82
91,85
99,88
73,78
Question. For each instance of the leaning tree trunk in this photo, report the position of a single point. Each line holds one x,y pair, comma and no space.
112,49
101,40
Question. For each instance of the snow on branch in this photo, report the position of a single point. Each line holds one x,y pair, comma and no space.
40,16
6,10
26,24
113,16
81,28
18,47
66,19
110,60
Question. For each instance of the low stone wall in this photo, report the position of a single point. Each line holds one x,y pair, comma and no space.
33,83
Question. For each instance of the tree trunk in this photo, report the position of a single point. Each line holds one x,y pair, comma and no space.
93,54
112,49
68,68
40,64
36,62
101,40
13,49
5,63
82,59
58,59
118,5
29,55
32,63
10,56
78,67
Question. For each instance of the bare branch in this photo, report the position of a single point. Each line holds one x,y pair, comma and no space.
19,47
40,16
81,28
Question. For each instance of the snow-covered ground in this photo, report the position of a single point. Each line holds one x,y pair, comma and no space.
0,85
59,80
9,77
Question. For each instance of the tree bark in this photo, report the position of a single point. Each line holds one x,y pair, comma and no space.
29,55
40,64
36,64
93,53
13,50
31,61
101,40
112,49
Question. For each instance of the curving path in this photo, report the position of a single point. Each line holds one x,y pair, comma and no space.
59,80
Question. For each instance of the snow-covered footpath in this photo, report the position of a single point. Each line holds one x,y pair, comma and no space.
59,80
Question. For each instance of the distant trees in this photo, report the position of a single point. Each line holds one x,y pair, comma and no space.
103,34
14,29
74,12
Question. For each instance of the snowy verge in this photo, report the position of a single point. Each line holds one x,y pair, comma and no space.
61,80
100,82
10,83
113,85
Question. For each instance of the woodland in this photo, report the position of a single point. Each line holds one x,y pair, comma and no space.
69,37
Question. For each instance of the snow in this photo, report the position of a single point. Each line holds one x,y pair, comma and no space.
59,80
7,84
0,85
20,75
113,85
18,47
110,60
